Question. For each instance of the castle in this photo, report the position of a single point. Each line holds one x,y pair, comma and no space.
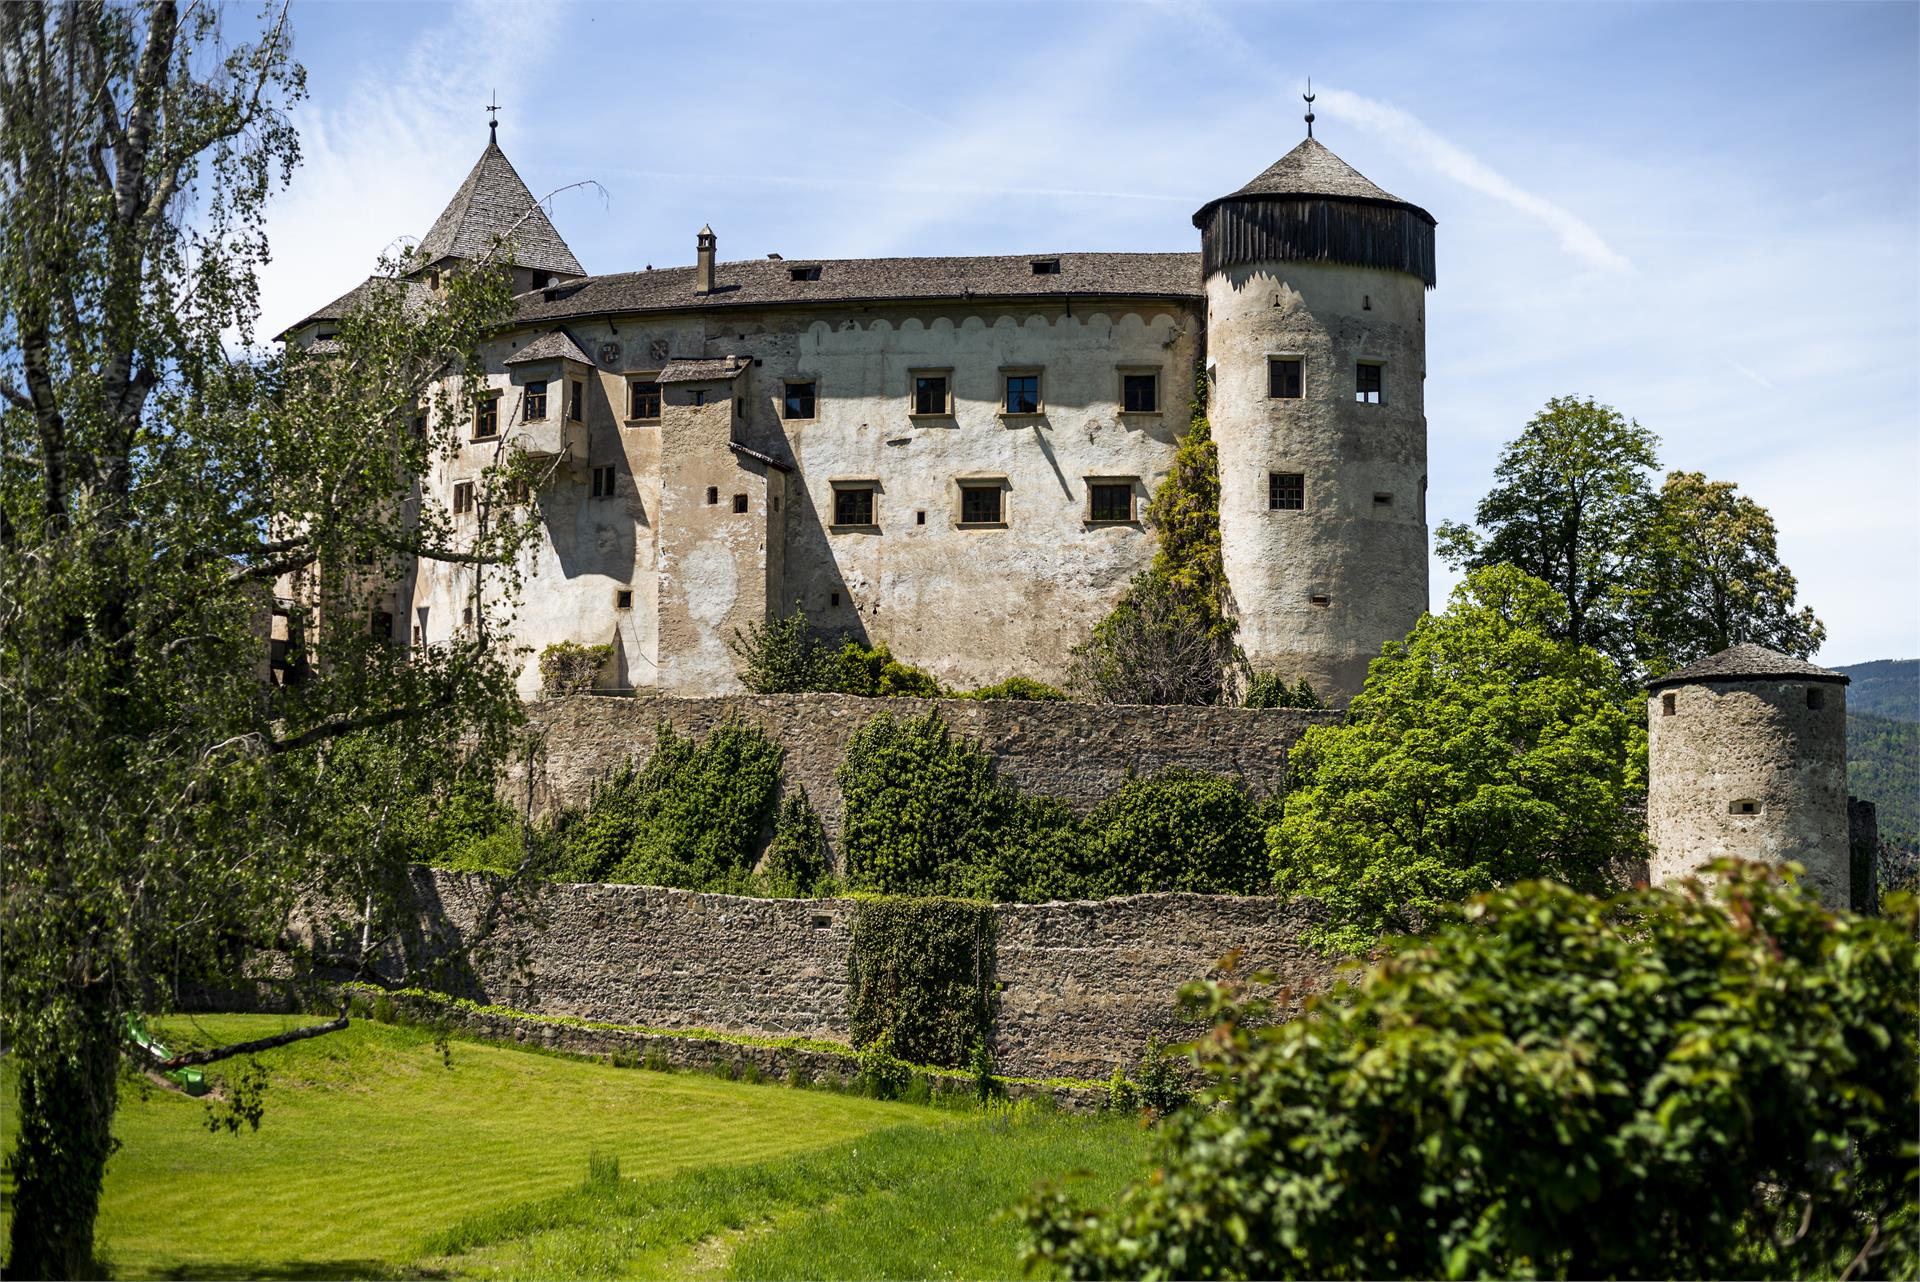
952,456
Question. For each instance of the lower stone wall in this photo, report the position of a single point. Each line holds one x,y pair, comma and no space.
1082,984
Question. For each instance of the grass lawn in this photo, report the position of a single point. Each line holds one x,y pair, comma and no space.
377,1159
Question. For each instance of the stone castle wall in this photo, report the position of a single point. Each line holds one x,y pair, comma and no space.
1082,984
1077,752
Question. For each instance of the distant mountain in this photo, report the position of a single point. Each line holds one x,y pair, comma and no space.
1883,766
1885,688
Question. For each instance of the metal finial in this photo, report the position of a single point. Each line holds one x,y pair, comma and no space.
493,117
1308,95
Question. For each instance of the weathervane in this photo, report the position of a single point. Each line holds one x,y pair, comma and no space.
1308,95
493,117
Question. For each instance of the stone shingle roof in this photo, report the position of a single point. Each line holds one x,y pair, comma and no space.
492,203
415,297
684,370
764,282
1310,170
1747,662
555,346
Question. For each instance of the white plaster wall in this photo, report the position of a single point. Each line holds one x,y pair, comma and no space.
1368,560
1758,741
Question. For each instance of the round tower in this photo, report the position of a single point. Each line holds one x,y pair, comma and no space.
1747,758
1316,287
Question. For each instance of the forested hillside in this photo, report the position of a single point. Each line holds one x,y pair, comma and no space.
1885,688
1883,766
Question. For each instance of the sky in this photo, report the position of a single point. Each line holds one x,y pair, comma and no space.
1705,215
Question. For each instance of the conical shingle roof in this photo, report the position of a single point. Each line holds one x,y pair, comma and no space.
492,203
1311,171
1747,662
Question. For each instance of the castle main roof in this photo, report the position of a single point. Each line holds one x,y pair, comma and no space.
1747,662
1312,172
494,203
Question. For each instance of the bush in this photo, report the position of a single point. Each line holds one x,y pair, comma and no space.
873,673
1162,644
920,971
787,656
1180,830
1270,690
919,803
569,668
880,1073
1161,1088
796,863
1019,688
1682,1082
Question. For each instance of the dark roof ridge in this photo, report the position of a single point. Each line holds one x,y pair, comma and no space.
1748,662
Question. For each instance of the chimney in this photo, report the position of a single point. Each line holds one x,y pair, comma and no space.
703,271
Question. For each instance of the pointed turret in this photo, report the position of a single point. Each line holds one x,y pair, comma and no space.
494,202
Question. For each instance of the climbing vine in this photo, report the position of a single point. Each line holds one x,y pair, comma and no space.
920,972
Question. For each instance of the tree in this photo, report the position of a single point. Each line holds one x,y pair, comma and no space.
1711,578
1481,751
1570,507
1679,1082
163,802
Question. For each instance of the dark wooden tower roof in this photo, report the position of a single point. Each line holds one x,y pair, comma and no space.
1747,662
1312,206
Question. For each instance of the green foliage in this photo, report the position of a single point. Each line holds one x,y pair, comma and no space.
919,801
1711,577
1883,766
796,862
873,672
1162,1087
1671,1083
693,816
567,667
1017,688
1270,690
1180,830
1482,751
919,972
787,656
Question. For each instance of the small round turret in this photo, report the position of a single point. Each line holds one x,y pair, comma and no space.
1316,339
1747,758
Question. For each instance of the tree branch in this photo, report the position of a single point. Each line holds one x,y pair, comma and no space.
194,1058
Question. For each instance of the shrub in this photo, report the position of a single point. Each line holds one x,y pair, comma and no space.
1481,752
782,656
920,971
1161,1088
919,802
1684,1082
570,668
1121,1095
874,673
1180,830
1019,688
880,1073
796,863
1270,690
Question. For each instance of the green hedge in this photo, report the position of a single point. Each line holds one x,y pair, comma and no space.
921,971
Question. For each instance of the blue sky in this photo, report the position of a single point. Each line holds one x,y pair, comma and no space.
1707,215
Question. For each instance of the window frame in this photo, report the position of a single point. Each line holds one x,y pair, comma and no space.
1131,484
913,392
1275,492
1277,359
466,498
786,400
531,400
577,404
861,485
609,474
963,485
486,407
1127,372
637,381
1379,391
1039,376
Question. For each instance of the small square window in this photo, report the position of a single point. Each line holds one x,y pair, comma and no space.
1667,702
980,505
853,505
1286,379
1286,491
833,598
1110,502
577,402
713,495
535,402
699,395
606,482
1023,394
1046,267
643,400
920,517
1382,499
930,394
739,503
1816,698
466,617
462,498
1744,806
799,401
417,635
1367,379
1140,393
486,416
623,599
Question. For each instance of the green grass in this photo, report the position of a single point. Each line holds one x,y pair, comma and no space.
376,1159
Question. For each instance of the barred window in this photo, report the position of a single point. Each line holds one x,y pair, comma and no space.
853,505
980,505
1286,491
1110,502
1140,393
606,482
1285,380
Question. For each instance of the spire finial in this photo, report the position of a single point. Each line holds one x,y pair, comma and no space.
1308,95
493,118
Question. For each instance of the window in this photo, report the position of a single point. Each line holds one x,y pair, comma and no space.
1744,806
1140,393
1023,394
416,635
536,400
420,426
1286,379
643,399
1286,491
1382,499
980,504
382,625
930,394
466,617
1110,501
623,598
1366,382
853,505
486,416
1046,267
1816,698
739,503
606,482
462,498
699,396
920,517
803,273
542,279
798,402
577,403
1666,705
713,495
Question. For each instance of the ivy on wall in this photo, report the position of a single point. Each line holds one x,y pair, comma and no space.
921,974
